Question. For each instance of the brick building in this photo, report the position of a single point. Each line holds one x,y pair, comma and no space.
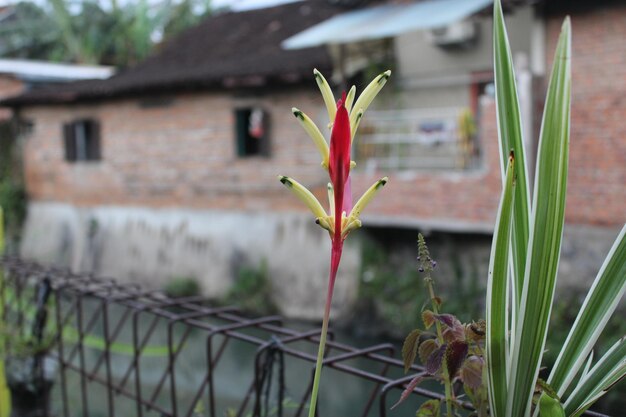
153,174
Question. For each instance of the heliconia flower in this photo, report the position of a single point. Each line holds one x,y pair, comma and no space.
343,217
342,138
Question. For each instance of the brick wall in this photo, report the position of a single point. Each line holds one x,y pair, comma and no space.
178,155
183,155
597,176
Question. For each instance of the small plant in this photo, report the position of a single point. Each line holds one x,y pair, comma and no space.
29,371
523,271
252,290
525,257
449,350
182,287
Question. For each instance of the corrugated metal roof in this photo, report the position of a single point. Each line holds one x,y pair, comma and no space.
385,21
51,71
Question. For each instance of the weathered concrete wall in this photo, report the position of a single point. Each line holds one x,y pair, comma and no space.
151,246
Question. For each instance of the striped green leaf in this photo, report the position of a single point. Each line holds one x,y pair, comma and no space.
497,293
602,300
610,369
546,231
550,407
510,137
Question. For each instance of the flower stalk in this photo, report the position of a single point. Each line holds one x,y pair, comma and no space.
343,217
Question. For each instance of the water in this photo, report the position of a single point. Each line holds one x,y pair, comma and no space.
341,394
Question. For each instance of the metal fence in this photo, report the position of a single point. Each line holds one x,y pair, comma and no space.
110,339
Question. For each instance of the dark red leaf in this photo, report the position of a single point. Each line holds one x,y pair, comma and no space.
433,364
409,389
455,355
472,372
447,319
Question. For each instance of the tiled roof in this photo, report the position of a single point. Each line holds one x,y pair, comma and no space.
233,49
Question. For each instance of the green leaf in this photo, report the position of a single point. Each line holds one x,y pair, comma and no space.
428,317
609,370
497,294
510,137
409,348
601,301
550,407
427,347
546,232
430,408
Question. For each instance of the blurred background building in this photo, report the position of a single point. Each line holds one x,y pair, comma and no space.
168,168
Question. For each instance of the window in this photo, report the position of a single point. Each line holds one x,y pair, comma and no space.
251,133
82,140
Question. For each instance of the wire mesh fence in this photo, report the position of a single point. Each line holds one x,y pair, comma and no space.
121,350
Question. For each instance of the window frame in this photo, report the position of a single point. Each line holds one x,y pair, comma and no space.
81,141
243,139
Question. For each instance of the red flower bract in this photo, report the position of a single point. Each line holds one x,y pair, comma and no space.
339,163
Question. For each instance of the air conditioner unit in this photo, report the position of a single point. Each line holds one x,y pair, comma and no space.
457,34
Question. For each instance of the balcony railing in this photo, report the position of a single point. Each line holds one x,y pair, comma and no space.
416,139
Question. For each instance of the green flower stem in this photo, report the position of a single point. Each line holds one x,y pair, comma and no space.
322,348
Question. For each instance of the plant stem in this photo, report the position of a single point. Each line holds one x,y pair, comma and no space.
446,377
334,266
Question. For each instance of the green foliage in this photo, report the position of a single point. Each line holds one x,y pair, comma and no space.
252,290
21,341
387,293
497,296
182,287
550,406
524,312
448,349
12,194
91,32
430,408
389,286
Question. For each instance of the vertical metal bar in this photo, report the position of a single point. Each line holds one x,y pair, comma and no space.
136,363
170,366
107,356
81,354
60,349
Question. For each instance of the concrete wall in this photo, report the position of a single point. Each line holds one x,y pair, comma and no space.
152,246
440,77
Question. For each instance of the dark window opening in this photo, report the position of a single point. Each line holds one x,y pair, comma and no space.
251,132
82,140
